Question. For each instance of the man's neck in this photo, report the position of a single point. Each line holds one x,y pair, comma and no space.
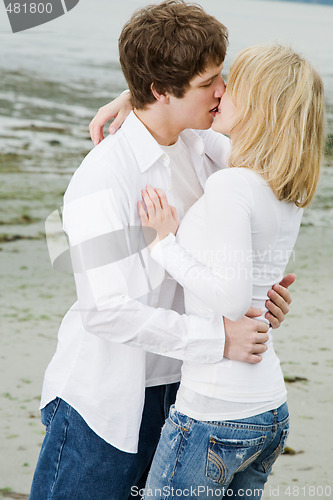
158,125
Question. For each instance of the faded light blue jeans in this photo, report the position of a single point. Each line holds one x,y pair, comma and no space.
224,459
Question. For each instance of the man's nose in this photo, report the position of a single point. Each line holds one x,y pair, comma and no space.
220,89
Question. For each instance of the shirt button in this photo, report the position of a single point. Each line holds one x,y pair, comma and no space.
164,158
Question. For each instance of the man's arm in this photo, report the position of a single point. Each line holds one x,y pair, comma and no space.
113,280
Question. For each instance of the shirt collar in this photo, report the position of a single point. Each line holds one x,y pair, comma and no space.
145,148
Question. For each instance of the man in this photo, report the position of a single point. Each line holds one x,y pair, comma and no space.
114,375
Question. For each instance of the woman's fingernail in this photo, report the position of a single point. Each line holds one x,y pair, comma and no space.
112,130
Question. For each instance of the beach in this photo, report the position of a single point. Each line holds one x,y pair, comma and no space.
53,81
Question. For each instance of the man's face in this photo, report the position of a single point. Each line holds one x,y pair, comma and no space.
198,107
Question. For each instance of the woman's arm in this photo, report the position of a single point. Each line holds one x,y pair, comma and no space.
118,109
224,281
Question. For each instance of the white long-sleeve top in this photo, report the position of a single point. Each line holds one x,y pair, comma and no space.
127,329
231,247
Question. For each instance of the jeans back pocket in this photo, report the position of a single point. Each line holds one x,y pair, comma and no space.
227,456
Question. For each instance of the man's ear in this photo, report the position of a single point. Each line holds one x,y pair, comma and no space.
163,98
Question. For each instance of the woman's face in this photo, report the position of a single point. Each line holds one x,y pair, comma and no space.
226,117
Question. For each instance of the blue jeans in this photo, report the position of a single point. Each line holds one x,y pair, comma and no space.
76,464
205,459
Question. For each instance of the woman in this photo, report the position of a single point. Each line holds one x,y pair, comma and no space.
230,420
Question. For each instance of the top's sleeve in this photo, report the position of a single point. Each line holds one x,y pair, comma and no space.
224,281
216,146
110,271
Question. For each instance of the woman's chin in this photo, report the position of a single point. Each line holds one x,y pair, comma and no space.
217,128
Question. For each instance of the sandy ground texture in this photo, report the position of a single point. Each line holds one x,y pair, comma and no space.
36,297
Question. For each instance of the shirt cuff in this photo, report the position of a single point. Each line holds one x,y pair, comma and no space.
206,339
161,247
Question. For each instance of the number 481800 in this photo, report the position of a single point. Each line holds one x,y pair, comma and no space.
308,491
32,8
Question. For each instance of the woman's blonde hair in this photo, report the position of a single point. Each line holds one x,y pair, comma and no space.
279,128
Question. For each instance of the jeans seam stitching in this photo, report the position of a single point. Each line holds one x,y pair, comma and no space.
178,456
164,402
61,450
57,403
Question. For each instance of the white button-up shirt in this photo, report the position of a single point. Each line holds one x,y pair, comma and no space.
127,329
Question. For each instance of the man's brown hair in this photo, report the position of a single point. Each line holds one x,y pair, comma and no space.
167,44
